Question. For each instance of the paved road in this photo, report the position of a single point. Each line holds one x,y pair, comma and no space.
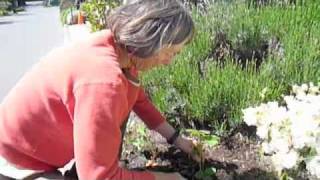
24,38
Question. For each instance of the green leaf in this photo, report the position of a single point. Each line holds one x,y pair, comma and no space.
210,171
207,173
204,136
212,140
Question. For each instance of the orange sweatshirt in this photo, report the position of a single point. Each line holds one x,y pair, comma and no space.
71,105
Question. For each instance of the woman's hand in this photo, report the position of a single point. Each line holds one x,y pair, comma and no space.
187,145
168,176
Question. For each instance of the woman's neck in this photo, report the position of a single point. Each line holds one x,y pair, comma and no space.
124,59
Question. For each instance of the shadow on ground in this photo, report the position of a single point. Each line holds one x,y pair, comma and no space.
255,174
6,22
23,14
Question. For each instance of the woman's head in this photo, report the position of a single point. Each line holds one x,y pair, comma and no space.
145,27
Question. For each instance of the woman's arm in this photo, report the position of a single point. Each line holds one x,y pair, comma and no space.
167,131
147,112
154,120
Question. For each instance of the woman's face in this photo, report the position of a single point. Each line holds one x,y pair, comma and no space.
162,57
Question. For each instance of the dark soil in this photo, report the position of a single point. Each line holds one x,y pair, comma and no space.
246,51
237,157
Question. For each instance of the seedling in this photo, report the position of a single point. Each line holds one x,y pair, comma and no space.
203,138
206,174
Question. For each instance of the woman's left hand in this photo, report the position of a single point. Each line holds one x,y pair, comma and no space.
187,145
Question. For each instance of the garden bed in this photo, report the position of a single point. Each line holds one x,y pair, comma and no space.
236,157
244,53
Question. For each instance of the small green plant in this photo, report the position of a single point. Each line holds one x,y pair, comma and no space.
204,139
206,174
136,137
140,141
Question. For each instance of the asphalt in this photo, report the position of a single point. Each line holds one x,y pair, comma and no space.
24,38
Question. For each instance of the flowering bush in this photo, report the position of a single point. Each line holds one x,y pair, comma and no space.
290,132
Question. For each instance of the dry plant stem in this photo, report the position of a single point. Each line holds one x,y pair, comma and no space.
198,151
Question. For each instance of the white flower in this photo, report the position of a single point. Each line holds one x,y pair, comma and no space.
290,159
313,166
300,142
285,160
291,102
281,145
273,105
262,113
304,87
267,148
295,88
317,143
313,89
249,116
278,115
267,114
302,130
262,132
286,130
311,99
300,91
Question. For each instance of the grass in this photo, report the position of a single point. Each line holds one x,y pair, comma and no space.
216,100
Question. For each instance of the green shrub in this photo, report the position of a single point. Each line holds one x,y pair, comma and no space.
96,11
4,7
216,100
3,12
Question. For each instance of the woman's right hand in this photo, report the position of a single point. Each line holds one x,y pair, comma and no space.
166,176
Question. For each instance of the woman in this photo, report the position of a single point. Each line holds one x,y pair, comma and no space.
73,103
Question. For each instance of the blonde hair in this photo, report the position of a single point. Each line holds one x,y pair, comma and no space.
143,27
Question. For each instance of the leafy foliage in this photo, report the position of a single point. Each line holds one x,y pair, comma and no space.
204,137
65,13
96,11
3,12
206,174
214,101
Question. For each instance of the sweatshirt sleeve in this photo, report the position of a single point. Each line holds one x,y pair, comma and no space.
148,113
97,117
